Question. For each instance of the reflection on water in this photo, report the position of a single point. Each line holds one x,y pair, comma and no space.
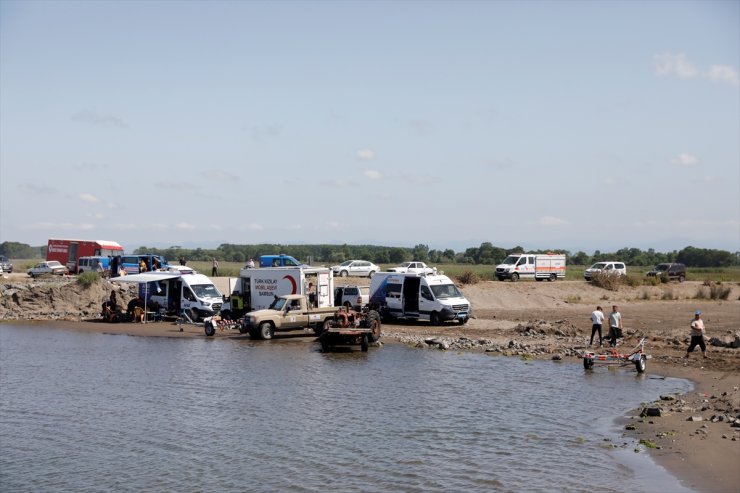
92,412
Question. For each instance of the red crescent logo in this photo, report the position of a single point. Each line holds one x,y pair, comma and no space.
292,281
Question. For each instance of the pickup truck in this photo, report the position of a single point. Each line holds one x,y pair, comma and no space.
289,312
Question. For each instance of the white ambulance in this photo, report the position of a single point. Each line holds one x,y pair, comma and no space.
433,298
536,266
257,289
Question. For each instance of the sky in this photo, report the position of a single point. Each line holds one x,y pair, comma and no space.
577,125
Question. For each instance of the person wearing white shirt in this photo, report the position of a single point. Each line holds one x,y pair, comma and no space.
597,318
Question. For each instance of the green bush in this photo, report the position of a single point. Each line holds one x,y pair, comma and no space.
608,281
88,278
719,292
468,277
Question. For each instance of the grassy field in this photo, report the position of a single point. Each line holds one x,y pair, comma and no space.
484,272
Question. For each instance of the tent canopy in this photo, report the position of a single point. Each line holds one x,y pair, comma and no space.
146,277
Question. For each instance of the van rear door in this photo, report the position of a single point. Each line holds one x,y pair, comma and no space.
411,297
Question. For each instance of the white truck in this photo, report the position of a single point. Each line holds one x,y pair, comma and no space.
431,297
257,289
550,266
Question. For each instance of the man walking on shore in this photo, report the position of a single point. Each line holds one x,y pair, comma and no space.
697,335
597,318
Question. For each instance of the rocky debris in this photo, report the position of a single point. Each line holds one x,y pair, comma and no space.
694,418
542,328
511,348
58,299
728,341
651,411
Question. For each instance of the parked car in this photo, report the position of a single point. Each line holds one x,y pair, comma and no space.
356,296
5,265
48,267
670,271
414,267
609,267
361,268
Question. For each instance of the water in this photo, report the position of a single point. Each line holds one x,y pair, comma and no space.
93,412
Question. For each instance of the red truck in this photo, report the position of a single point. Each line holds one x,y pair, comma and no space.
67,252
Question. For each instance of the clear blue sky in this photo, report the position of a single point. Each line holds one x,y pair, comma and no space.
580,125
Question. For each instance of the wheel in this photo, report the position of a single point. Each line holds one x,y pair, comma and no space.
243,329
266,331
463,320
434,319
320,329
552,277
641,364
364,345
209,329
588,363
681,278
373,322
344,273
370,274
514,277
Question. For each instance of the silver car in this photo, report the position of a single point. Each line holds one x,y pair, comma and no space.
48,267
357,268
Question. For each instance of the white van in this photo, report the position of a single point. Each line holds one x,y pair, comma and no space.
175,293
412,296
536,266
608,267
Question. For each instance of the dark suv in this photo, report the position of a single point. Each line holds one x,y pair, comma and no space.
670,271
5,265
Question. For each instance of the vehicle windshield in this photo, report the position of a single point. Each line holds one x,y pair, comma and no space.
345,263
278,304
205,291
599,265
510,260
661,267
443,291
405,264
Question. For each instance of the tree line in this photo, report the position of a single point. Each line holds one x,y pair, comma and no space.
486,254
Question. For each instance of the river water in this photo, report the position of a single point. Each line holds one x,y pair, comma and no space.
95,412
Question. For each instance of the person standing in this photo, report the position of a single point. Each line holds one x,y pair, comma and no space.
615,325
250,264
214,268
597,319
697,335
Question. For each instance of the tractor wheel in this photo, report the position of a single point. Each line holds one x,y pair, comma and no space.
364,345
373,322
